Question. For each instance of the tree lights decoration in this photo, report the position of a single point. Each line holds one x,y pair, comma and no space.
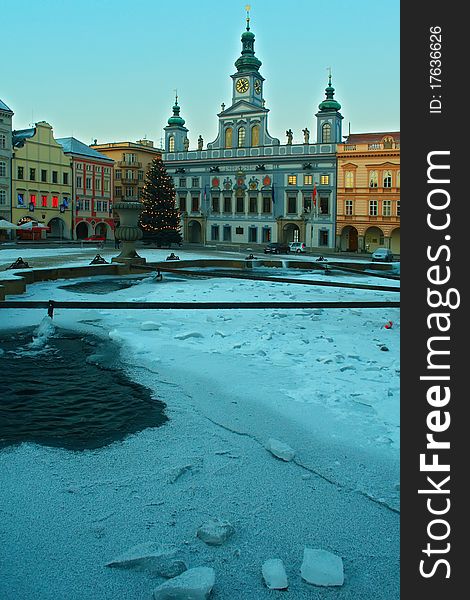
159,219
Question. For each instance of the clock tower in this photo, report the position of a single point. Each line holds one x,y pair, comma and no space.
247,81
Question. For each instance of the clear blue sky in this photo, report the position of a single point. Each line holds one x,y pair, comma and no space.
107,69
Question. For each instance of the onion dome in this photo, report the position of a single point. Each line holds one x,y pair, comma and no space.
176,119
248,61
329,103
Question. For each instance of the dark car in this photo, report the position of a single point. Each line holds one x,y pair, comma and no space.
277,248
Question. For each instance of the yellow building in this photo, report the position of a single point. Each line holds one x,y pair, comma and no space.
131,161
41,181
368,194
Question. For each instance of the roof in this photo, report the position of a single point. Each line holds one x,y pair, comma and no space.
20,135
4,107
369,138
73,146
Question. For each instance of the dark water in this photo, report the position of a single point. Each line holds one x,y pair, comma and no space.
55,393
101,286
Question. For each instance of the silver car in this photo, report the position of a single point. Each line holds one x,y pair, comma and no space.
382,255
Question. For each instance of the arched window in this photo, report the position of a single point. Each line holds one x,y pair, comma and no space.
255,135
228,137
326,133
387,179
241,137
349,179
171,143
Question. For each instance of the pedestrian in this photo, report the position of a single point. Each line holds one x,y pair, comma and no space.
117,243
50,309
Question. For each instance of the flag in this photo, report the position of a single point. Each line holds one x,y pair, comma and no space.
272,192
314,195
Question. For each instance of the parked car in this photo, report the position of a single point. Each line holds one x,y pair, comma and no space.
277,248
297,247
96,239
382,255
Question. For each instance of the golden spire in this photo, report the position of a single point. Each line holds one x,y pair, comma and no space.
248,8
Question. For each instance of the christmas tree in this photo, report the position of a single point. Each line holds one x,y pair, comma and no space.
159,219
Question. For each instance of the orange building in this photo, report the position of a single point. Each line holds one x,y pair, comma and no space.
368,194
131,161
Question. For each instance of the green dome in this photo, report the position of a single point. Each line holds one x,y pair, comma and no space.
329,104
248,60
176,119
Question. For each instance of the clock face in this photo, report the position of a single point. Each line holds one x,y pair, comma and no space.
257,86
242,85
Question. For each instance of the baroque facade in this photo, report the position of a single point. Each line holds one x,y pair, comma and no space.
41,180
368,213
247,187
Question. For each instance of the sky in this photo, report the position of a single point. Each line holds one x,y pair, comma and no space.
108,69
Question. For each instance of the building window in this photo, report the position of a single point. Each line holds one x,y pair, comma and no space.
129,192
171,143
32,174
3,197
3,140
266,235
324,205
55,201
182,205
267,206
292,205
117,174
349,179
105,206
241,137
253,234
98,206
20,200
65,178
387,208
240,204
215,233
140,175
33,199
373,179
227,204
348,209
323,238
3,169
215,204
20,173
398,208
387,179
139,192
227,233
195,204
228,137
79,167
118,190
129,174
88,183
130,158
44,201
55,176
43,175
97,183
373,208
182,182
253,205
292,179
195,182
255,135
326,133
106,185
324,179
87,205
308,179
239,230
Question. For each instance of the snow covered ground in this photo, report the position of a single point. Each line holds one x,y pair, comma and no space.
323,381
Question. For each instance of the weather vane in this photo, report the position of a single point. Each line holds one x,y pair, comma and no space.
247,8
176,95
329,72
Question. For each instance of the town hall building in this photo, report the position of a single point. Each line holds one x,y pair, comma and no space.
245,186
